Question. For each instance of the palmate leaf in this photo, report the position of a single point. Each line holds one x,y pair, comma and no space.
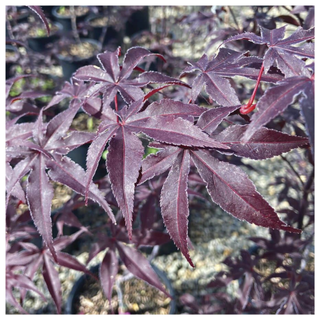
276,99
162,121
281,51
75,90
213,73
216,86
22,282
114,78
46,152
265,143
227,185
231,189
34,258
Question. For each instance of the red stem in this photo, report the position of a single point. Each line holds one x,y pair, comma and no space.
116,102
245,109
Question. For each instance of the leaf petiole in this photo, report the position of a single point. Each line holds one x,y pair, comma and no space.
247,108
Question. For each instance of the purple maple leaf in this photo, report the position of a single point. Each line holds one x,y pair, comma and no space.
282,51
47,151
213,73
165,121
113,78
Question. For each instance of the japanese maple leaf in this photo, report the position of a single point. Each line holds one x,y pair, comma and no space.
227,184
44,151
213,73
32,258
113,78
165,121
282,50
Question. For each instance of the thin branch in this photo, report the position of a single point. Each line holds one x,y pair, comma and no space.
293,170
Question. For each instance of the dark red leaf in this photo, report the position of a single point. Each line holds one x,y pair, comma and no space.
114,79
226,63
139,266
39,195
123,164
51,278
95,151
175,131
281,51
265,143
70,262
174,202
234,192
108,270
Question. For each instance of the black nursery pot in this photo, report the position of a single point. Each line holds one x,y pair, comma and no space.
79,285
41,44
70,63
66,20
95,30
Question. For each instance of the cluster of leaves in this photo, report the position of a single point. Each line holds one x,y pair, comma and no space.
191,140
272,279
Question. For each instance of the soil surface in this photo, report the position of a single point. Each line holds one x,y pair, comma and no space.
138,298
83,50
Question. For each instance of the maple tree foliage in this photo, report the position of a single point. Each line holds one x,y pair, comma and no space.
191,140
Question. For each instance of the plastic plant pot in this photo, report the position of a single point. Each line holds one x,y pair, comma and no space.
79,286
70,63
42,42
96,25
